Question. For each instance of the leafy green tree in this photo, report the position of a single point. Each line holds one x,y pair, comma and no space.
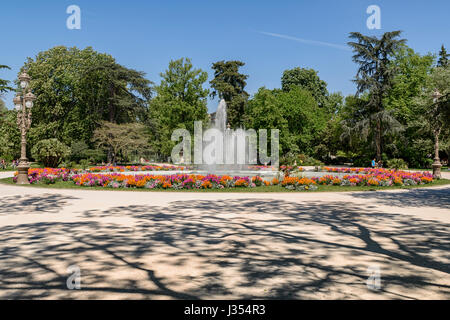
180,100
229,84
3,108
264,112
122,139
412,72
374,76
126,91
9,136
295,113
307,79
443,57
436,109
4,83
50,152
77,89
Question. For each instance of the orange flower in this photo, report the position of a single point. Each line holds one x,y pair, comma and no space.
241,183
141,183
336,181
206,184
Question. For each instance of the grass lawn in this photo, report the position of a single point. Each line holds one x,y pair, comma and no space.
71,185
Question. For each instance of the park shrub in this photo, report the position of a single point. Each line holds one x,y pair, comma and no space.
397,164
50,152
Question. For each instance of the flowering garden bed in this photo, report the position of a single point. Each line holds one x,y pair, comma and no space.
136,168
119,180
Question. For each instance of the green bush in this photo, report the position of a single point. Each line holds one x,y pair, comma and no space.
84,163
68,164
362,161
397,164
78,149
50,152
94,156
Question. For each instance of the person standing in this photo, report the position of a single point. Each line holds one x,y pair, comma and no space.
374,163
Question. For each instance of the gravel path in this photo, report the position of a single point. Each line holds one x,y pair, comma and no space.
133,245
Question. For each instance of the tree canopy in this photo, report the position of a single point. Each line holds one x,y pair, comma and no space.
229,84
307,79
180,100
295,113
77,89
104,110
374,76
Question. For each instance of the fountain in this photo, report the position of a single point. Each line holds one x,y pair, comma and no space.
228,151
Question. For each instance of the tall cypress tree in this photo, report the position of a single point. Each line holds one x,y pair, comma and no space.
443,57
229,85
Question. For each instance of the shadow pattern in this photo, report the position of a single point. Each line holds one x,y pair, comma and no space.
230,249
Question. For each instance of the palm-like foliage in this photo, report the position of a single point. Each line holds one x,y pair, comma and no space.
374,77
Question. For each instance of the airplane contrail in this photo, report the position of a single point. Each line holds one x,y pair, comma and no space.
313,42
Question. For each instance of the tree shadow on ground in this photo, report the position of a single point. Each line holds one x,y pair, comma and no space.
246,249
27,203
424,197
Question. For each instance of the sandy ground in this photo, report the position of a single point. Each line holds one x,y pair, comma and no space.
150,245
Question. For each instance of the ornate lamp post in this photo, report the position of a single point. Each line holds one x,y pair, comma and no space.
23,104
437,163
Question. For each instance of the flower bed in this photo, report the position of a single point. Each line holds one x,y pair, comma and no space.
176,181
48,175
136,168
376,177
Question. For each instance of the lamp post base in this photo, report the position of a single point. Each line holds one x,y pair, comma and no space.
437,169
22,177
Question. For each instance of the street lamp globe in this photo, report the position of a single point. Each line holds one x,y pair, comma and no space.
24,79
17,103
29,98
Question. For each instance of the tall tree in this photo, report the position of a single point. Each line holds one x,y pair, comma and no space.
4,83
374,76
77,89
436,109
443,57
295,113
9,135
180,100
416,141
126,90
229,84
307,79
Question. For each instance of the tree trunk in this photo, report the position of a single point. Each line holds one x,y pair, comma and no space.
378,140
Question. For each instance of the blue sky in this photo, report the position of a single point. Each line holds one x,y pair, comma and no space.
269,36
